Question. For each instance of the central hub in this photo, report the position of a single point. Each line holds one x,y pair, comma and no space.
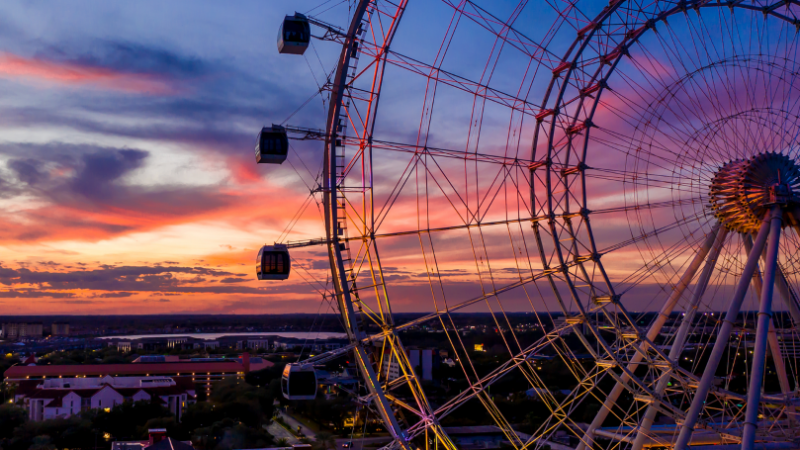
743,190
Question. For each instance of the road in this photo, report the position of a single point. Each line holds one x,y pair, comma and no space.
359,444
277,430
292,422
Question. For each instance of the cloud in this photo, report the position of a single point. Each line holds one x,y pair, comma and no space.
234,280
134,58
34,293
127,281
113,295
74,73
83,189
99,172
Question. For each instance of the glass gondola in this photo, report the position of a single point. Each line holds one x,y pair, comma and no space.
272,145
299,382
294,35
273,262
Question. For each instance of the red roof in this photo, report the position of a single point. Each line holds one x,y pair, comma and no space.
166,390
52,393
27,387
128,392
170,368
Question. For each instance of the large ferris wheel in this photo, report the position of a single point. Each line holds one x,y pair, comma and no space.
631,166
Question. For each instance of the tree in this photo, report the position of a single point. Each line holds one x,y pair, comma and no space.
325,440
42,443
126,421
11,417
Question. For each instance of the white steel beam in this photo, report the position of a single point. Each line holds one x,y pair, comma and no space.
723,337
762,330
681,335
652,334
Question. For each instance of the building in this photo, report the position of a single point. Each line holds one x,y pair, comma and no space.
202,373
256,344
205,345
59,329
484,436
21,330
158,441
309,345
422,360
64,397
124,346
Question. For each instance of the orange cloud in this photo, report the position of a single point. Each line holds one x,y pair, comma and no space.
68,73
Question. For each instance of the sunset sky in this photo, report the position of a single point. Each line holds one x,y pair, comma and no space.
129,185
127,173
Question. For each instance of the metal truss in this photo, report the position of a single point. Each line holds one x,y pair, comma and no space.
643,110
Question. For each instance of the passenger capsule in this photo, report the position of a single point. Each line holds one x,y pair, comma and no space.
272,145
299,382
294,35
273,262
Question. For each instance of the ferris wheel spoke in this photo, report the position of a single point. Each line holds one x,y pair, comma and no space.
683,331
501,29
497,374
652,233
657,263
511,220
676,59
438,75
723,335
636,148
645,105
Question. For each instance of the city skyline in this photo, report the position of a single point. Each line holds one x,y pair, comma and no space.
130,186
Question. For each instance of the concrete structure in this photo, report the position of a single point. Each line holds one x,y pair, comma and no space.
202,373
59,329
63,397
423,361
256,344
158,441
309,345
21,330
390,368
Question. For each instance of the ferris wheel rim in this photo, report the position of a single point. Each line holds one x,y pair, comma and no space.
573,120
335,255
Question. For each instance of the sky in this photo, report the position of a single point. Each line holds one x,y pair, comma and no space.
128,181
129,186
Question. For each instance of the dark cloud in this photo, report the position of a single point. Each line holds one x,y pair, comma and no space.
26,170
98,172
126,281
113,295
104,278
234,280
320,264
32,293
94,170
130,57
84,184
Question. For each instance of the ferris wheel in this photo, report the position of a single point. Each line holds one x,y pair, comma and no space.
625,172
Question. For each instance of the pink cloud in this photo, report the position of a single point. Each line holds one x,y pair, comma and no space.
69,73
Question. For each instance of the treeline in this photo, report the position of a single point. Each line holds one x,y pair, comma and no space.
231,418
